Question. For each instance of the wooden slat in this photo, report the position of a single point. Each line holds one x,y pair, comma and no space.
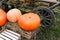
1,38
4,37
13,36
13,32
9,35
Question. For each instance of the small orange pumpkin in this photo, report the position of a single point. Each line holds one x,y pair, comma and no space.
3,17
29,21
13,15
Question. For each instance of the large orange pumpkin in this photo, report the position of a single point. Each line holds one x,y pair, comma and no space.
3,17
13,15
29,21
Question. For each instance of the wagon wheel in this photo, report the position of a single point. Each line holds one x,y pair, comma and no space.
47,16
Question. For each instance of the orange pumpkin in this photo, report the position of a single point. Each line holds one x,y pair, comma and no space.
3,17
13,15
29,21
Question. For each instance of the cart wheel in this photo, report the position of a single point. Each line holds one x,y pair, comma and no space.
47,16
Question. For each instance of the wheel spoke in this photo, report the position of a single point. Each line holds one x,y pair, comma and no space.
47,22
48,19
47,16
45,13
44,23
41,12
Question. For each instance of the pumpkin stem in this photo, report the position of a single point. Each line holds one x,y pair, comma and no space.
0,28
29,17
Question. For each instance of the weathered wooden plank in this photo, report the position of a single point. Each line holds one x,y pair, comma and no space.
4,37
13,33
1,38
9,35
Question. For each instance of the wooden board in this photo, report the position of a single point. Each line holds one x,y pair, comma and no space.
9,35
